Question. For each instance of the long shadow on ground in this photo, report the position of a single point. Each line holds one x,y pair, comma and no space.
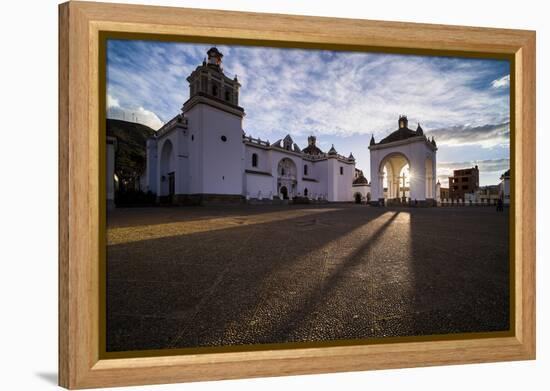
351,273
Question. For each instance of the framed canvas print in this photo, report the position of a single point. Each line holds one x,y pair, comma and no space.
247,195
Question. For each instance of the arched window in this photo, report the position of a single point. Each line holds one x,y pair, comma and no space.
305,191
341,170
254,160
227,96
214,90
305,169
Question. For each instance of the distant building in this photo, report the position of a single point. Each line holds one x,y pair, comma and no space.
505,187
484,195
489,194
463,181
443,193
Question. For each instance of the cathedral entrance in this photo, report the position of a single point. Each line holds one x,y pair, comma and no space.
287,178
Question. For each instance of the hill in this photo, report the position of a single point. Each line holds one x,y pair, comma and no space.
131,147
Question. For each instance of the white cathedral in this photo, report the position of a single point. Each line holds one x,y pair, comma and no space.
203,154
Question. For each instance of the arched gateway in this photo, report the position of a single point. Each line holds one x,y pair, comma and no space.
403,167
286,178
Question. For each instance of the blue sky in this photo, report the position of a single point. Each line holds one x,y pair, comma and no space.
341,97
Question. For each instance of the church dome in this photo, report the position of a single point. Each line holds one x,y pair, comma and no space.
402,133
360,180
311,148
399,134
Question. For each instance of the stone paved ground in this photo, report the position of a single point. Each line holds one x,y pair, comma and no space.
211,276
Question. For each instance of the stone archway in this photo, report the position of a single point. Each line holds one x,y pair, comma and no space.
430,178
392,175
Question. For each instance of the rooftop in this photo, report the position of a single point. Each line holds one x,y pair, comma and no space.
398,135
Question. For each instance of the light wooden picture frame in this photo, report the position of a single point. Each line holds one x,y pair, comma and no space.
82,162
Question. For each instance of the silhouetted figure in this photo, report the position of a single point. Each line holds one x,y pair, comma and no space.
500,205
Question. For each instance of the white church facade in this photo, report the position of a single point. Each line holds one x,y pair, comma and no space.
203,154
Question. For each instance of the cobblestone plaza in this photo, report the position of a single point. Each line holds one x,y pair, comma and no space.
234,275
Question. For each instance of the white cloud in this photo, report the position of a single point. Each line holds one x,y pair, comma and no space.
139,115
112,102
486,136
328,93
502,82
148,118
298,92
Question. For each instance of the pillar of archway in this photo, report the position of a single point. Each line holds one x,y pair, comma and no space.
417,182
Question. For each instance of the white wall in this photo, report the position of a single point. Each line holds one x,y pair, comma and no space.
221,163
343,181
33,234
339,184
318,170
151,168
264,159
259,186
206,164
256,183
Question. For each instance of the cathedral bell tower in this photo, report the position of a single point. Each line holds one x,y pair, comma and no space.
214,148
209,80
